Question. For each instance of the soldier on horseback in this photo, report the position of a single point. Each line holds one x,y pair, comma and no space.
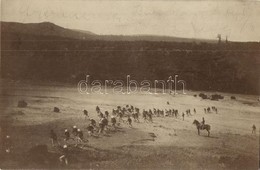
202,126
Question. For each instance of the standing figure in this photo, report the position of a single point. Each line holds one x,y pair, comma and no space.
106,113
67,135
120,115
105,123
101,127
137,115
7,144
202,123
97,109
150,116
90,129
144,115
113,121
53,137
75,130
80,138
93,122
129,120
253,129
208,109
64,156
85,112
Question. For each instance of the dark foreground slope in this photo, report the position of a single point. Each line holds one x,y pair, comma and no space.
229,67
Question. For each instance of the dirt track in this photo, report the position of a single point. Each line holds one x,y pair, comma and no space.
176,145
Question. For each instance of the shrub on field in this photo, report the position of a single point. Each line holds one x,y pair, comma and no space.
233,97
22,104
56,109
216,97
203,96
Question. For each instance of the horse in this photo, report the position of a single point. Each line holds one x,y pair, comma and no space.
202,127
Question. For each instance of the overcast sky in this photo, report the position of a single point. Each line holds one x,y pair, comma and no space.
239,20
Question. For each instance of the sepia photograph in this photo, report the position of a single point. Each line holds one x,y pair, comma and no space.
122,84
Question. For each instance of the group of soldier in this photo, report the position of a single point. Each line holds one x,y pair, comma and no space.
122,114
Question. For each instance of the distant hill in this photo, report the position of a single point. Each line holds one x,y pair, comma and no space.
50,29
44,29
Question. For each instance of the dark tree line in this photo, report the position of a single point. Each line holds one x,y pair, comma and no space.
232,67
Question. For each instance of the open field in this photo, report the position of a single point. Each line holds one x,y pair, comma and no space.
176,144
